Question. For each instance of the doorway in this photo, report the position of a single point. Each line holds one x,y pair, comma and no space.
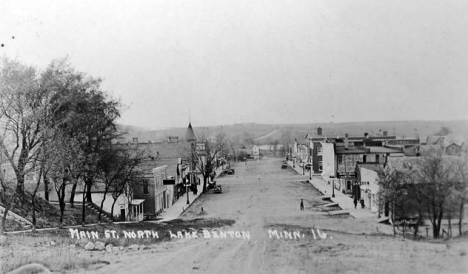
122,214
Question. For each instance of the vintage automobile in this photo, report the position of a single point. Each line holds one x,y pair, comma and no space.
284,166
218,189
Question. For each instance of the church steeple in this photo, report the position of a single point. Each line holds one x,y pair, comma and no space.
190,135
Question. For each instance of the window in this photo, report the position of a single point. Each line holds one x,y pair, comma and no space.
320,165
145,188
340,159
319,151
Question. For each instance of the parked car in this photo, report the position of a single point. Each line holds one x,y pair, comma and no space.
284,166
218,189
308,166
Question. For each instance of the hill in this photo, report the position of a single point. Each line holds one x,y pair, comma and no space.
286,133
47,214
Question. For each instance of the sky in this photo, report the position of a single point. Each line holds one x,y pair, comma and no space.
263,61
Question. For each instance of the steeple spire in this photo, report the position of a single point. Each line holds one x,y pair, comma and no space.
190,134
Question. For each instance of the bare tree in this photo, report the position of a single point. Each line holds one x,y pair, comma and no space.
118,166
461,188
394,185
7,194
435,183
22,102
205,161
65,159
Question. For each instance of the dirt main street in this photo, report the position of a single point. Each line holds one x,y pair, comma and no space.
272,235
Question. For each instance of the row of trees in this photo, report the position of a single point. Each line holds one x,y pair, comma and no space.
61,125
435,188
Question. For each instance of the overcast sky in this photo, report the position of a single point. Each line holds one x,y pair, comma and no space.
263,61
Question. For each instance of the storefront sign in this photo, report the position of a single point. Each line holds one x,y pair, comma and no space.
346,174
169,182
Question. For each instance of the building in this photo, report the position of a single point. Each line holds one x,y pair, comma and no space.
367,184
448,145
300,151
340,157
353,144
316,157
154,193
173,139
256,152
165,169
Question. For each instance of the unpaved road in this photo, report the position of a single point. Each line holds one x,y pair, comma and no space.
262,197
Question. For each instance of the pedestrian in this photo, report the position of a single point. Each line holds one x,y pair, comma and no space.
355,203
302,204
362,203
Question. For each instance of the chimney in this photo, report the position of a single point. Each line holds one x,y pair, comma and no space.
346,144
319,131
385,133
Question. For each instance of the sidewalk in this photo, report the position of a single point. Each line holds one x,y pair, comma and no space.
343,200
181,205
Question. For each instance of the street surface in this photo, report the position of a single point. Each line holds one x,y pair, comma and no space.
272,235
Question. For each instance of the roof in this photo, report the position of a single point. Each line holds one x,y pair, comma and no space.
164,154
371,166
190,134
352,150
384,150
432,140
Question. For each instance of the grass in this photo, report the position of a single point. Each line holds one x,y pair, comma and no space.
68,254
47,214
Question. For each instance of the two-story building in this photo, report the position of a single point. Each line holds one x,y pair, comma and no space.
156,195
340,157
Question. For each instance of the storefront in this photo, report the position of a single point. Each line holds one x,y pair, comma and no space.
346,179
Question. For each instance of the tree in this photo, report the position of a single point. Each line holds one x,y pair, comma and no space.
7,194
63,164
443,131
435,178
118,166
81,110
41,163
461,188
394,186
132,177
22,103
205,162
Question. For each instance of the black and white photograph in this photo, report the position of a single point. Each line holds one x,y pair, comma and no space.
249,136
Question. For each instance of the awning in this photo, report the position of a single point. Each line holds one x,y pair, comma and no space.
137,201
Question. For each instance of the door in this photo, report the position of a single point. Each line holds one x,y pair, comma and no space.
122,214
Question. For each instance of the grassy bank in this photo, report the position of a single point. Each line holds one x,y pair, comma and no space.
58,251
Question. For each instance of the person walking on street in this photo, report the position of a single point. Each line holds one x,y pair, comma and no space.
302,204
355,203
